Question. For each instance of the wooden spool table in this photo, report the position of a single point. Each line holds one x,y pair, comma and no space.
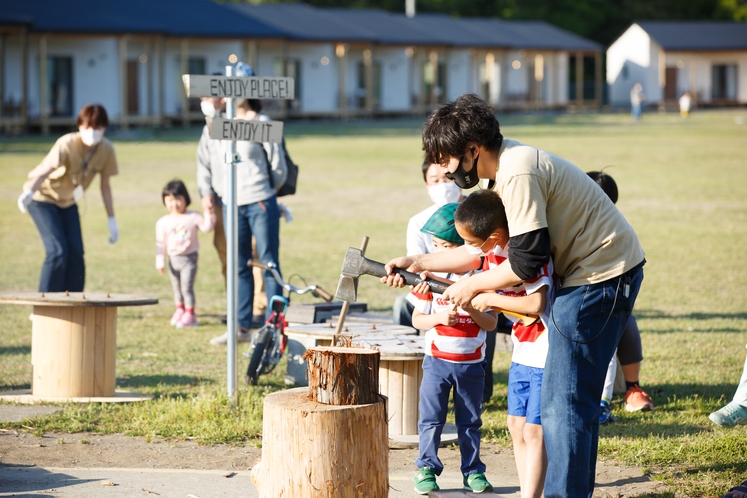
304,336
74,345
400,374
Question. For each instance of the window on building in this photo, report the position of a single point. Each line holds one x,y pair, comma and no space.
195,65
292,70
60,86
360,92
724,82
434,82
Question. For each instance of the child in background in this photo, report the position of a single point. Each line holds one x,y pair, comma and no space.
629,349
176,235
481,222
455,349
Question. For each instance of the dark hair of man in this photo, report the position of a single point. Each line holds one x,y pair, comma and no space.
175,187
453,125
426,166
482,213
252,104
606,182
93,116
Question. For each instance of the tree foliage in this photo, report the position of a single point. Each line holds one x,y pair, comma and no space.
599,20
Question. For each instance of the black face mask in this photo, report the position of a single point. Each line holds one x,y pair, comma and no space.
464,179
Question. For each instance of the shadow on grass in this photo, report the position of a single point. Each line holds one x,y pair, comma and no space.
656,314
12,350
155,380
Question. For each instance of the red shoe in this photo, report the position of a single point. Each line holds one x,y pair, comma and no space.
637,400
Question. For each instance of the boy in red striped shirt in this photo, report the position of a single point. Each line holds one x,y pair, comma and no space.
455,350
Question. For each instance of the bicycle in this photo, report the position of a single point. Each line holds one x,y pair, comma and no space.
268,342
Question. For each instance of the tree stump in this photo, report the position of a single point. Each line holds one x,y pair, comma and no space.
343,375
327,450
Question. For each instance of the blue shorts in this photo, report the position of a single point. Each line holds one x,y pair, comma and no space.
524,392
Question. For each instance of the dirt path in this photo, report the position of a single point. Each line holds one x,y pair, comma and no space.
116,451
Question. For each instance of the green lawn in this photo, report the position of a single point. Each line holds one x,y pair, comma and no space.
683,186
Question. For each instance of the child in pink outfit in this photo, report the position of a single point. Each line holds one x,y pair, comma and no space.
176,236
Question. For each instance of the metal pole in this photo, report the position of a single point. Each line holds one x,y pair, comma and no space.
232,270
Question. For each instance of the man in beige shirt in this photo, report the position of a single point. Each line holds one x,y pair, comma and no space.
51,193
553,209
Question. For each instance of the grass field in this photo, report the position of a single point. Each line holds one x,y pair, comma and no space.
683,186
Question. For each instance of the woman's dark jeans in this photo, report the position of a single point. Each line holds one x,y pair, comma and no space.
64,268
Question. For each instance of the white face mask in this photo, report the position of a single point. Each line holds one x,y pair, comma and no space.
444,193
208,109
477,251
91,136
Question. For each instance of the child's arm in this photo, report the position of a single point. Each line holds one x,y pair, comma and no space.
160,247
206,221
487,320
424,321
532,304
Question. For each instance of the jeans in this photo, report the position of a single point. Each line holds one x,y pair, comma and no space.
261,219
635,111
402,310
438,378
585,327
64,268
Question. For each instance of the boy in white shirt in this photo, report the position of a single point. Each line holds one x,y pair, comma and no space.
455,350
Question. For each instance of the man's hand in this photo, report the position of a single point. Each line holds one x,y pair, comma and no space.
460,293
161,270
207,202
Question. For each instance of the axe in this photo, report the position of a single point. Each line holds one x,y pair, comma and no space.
355,265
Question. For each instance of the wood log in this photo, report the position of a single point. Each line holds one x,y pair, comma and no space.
314,450
343,375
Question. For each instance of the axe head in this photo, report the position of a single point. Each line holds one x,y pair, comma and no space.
347,288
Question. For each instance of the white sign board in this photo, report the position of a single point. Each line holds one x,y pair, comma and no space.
248,87
242,130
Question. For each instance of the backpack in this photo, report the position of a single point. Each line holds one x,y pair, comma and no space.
289,187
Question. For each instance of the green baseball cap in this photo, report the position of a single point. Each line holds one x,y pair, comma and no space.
441,224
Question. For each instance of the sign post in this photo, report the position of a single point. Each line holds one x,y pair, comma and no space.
231,130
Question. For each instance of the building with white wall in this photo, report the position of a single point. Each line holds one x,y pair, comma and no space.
345,62
706,59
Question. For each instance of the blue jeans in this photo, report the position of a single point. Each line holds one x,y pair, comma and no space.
635,111
586,325
262,220
64,268
439,377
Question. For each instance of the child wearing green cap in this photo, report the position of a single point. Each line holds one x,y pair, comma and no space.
455,350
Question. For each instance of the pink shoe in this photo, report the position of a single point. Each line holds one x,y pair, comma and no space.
188,319
176,316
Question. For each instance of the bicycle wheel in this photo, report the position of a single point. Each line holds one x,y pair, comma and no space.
257,352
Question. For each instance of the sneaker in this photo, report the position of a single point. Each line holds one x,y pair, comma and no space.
425,481
605,414
243,335
188,319
637,400
730,415
477,483
176,316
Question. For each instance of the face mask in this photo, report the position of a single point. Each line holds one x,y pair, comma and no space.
90,136
208,109
464,179
476,251
444,193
